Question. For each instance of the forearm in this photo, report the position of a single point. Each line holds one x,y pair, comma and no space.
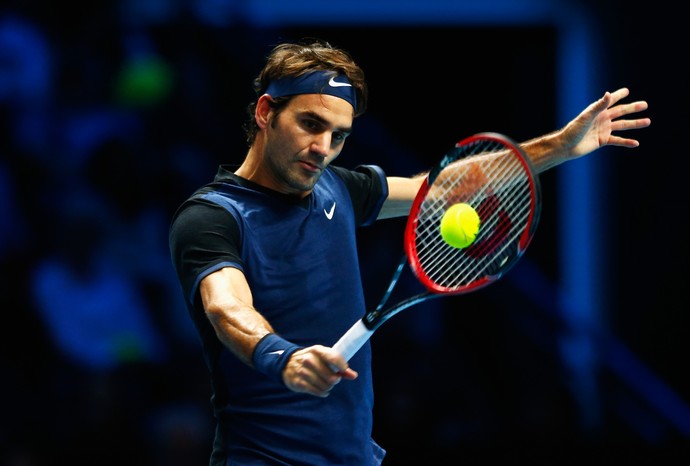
546,151
590,130
228,305
238,326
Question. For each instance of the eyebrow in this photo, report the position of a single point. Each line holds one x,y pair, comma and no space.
316,116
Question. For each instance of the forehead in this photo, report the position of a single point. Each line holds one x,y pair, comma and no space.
333,109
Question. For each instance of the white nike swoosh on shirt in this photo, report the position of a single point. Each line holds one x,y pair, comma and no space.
333,83
329,214
277,352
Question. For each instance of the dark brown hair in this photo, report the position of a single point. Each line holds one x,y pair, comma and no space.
295,59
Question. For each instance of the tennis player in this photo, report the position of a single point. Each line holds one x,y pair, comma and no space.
267,260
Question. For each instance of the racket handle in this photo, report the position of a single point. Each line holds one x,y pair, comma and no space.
353,340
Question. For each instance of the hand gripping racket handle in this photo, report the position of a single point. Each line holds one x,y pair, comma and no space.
353,340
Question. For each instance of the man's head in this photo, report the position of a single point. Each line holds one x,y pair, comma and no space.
307,67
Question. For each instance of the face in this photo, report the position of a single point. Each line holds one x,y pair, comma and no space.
303,139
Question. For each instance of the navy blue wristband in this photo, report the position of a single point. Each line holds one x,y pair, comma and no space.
271,355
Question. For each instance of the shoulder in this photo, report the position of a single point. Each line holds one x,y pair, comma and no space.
362,174
368,189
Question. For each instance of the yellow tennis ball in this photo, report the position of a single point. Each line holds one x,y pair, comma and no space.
460,225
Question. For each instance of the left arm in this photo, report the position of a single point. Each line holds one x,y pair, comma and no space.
401,193
592,129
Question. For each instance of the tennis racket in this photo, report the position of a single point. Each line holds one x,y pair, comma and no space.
489,172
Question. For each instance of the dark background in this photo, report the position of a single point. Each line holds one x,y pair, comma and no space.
112,113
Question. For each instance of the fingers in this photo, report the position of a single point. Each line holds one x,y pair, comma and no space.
615,114
316,370
627,109
622,125
623,142
619,94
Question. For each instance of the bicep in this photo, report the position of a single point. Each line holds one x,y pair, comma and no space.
224,287
401,194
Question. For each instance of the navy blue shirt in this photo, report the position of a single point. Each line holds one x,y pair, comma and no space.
300,259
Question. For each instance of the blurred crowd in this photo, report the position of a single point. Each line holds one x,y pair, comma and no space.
105,126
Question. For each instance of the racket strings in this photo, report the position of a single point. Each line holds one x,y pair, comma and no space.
496,183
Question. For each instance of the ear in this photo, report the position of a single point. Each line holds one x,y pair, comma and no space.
263,111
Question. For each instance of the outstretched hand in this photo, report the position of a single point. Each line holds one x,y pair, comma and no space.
594,127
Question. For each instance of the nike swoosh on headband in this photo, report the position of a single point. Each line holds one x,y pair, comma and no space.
314,82
333,83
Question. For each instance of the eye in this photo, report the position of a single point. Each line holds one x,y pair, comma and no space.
311,124
339,137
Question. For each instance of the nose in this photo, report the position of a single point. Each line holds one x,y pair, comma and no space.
321,144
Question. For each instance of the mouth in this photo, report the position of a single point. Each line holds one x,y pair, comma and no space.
311,167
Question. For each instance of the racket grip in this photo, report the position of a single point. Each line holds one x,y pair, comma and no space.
353,340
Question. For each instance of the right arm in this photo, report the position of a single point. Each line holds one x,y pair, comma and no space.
228,304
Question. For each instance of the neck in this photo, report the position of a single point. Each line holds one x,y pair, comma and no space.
251,165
